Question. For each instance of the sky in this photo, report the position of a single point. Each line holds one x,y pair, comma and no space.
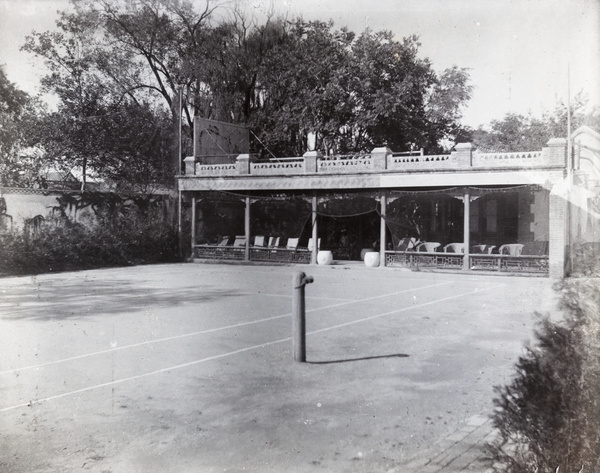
523,56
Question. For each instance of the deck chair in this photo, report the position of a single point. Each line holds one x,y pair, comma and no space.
259,240
240,240
273,242
311,244
512,249
428,246
292,243
535,248
407,244
454,248
483,249
223,241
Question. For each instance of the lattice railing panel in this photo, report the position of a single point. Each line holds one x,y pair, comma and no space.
216,169
284,167
525,264
344,165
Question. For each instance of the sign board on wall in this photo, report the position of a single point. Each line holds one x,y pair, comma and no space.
219,142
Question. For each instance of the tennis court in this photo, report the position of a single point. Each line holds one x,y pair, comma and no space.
189,368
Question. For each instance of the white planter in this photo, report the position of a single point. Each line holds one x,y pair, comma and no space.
324,257
372,259
364,251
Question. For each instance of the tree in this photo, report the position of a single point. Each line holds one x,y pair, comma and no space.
286,80
101,131
17,168
303,87
517,132
451,91
548,417
353,93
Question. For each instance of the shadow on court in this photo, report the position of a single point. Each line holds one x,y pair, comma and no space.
72,300
364,358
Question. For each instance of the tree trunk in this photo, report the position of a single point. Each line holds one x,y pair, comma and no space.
83,174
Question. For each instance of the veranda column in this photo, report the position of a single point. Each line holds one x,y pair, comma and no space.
467,229
315,233
559,233
179,225
382,230
247,229
193,238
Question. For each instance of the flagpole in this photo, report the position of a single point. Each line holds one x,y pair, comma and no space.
569,144
570,170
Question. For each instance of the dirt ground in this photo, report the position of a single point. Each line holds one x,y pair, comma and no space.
189,368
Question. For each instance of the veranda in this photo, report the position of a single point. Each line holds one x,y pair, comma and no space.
410,227
465,210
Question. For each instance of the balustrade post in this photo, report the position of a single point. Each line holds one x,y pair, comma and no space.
310,161
379,157
242,163
555,152
190,165
464,154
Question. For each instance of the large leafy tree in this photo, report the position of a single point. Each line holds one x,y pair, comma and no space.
352,93
286,80
303,87
17,108
101,131
517,132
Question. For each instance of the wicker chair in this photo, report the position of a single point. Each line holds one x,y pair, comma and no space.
428,246
454,248
512,249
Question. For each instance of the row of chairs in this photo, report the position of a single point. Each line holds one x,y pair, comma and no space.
260,241
536,248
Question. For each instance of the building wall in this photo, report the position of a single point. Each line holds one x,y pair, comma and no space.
24,204
539,224
558,235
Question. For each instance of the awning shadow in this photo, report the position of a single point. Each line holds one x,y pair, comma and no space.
364,358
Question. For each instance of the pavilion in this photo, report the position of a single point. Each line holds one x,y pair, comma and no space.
466,210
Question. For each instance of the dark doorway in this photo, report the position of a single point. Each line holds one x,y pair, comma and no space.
345,237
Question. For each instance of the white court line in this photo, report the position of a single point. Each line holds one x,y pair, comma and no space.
290,296
397,311
211,330
235,352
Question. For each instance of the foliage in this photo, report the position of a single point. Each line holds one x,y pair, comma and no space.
549,416
525,133
351,92
586,259
17,165
117,138
286,80
118,235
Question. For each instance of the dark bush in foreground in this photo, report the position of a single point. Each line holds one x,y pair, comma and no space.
548,418
63,245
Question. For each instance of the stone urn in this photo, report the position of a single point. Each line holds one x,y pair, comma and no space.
372,259
324,257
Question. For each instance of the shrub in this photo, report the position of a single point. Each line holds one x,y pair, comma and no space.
61,244
548,418
586,259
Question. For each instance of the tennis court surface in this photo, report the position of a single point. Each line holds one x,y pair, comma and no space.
189,368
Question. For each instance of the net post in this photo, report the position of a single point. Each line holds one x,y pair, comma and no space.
300,280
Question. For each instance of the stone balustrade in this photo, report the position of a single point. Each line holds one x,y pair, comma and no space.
383,160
